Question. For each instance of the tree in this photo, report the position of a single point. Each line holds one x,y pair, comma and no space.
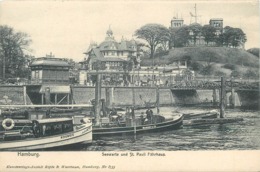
154,35
207,70
196,66
128,66
195,30
220,73
12,55
250,74
233,37
235,74
209,33
179,37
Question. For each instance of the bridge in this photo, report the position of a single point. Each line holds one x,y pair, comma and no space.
210,85
195,85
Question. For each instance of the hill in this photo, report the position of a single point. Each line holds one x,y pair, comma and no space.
223,61
214,54
254,51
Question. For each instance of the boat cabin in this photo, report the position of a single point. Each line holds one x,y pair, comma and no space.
52,126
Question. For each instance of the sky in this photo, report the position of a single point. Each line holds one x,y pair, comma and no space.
66,28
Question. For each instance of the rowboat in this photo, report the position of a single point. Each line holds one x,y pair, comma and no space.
45,133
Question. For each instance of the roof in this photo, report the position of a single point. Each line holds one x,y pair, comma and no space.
108,45
49,62
51,120
111,59
97,53
61,89
216,19
127,45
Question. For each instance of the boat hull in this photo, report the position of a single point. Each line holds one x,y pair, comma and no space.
115,131
80,135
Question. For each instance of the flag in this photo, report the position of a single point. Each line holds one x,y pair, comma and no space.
192,15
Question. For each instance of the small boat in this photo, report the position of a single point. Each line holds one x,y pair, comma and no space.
205,115
136,125
44,133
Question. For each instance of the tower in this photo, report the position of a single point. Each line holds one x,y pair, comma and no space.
217,23
176,22
109,36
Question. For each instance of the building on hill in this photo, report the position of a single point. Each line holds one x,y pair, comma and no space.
110,54
177,22
218,24
120,65
199,40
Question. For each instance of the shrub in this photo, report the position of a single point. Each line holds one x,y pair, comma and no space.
229,66
196,66
235,74
219,73
207,70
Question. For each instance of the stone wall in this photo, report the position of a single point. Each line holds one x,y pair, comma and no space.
124,96
14,94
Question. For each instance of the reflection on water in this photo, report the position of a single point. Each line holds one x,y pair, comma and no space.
242,135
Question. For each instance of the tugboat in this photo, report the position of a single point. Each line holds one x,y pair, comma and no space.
44,133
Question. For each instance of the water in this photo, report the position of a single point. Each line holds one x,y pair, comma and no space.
242,135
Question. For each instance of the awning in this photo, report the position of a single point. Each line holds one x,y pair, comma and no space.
56,89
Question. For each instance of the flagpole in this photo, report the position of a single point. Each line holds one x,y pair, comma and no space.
195,14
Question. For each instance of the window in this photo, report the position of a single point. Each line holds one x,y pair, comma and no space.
36,74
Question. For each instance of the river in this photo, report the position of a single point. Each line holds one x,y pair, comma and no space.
242,135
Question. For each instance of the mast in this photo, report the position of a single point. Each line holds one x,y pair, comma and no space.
222,97
97,98
195,13
157,99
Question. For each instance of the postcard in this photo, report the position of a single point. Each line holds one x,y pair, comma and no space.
129,85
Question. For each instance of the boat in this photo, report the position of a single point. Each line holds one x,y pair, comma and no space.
136,125
44,133
60,110
14,113
106,123
205,115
